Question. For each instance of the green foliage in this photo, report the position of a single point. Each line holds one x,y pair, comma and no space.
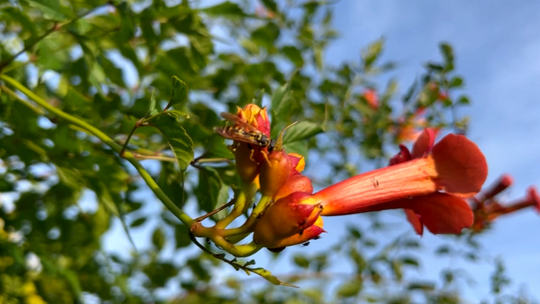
109,66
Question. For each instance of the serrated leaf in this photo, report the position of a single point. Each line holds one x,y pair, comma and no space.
178,93
226,9
179,141
302,130
269,277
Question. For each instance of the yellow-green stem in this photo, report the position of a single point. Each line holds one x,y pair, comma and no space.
247,192
237,250
248,225
186,219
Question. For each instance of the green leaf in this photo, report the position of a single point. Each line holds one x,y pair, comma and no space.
266,36
302,130
294,55
179,141
171,182
208,189
269,277
301,261
51,9
258,97
372,52
138,222
463,100
425,286
448,55
318,57
222,199
270,4
249,263
349,289
181,236
152,110
299,147
178,93
280,102
226,9
456,82
23,19
216,148
158,238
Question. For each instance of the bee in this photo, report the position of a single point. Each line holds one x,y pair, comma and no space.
241,131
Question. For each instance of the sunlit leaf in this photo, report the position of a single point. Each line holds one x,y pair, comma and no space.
181,144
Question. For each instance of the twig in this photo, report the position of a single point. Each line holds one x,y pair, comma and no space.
154,157
203,217
137,124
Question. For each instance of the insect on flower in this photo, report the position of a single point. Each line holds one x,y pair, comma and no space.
241,131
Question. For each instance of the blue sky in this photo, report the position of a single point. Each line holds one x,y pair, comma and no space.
498,53
497,49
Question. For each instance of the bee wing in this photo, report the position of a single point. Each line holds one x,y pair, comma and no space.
238,121
229,133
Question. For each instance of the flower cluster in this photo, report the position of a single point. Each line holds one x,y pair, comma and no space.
430,182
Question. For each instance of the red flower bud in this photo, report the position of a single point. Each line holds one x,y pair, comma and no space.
274,172
246,166
288,216
295,183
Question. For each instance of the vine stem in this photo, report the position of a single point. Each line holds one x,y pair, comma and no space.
181,215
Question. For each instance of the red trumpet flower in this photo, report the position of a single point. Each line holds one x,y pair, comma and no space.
429,182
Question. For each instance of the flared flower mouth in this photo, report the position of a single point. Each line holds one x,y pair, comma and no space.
429,182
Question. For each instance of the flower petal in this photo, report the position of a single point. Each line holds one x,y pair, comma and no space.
442,213
313,231
423,143
415,221
461,166
533,196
